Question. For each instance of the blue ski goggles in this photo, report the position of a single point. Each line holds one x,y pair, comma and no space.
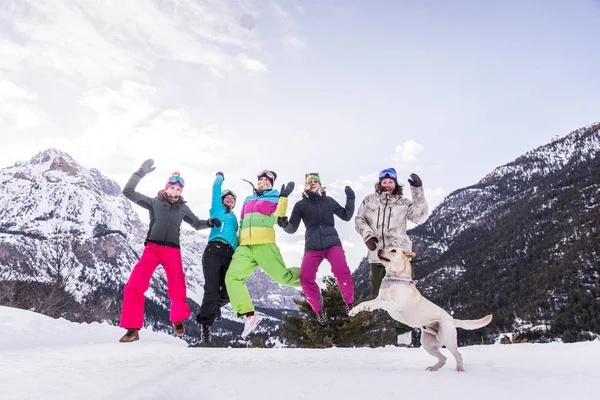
177,179
388,173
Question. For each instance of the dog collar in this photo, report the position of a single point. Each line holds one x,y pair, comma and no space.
389,281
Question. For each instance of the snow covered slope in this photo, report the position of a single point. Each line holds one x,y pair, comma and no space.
55,359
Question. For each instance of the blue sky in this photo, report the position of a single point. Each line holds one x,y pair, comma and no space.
449,90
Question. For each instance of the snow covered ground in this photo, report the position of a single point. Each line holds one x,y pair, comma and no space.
43,358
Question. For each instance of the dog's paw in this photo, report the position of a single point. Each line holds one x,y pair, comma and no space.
353,312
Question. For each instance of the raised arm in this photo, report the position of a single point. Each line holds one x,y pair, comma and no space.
417,211
129,189
345,213
216,192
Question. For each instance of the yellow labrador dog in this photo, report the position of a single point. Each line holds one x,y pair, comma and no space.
401,299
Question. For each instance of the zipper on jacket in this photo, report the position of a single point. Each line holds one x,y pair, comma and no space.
378,212
383,222
320,219
389,218
168,224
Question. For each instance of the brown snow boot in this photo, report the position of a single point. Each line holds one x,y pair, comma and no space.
179,329
130,336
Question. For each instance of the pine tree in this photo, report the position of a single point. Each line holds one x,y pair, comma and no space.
366,329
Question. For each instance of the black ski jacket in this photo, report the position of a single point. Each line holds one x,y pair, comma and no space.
317,214
165,218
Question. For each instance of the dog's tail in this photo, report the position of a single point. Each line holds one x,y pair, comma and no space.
471,324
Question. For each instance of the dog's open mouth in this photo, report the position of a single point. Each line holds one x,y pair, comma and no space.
382,258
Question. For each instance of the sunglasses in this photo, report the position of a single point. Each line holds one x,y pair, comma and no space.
268,174
228,193
388,173
177,179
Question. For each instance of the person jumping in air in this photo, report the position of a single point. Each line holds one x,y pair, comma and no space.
222,243
257,247
317,211
381,221
167,212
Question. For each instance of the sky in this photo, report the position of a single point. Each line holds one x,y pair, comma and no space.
42,357
448,90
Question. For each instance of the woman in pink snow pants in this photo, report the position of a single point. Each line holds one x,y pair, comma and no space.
317,211
167,212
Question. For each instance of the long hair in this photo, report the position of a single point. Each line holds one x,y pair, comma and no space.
397,190
320,190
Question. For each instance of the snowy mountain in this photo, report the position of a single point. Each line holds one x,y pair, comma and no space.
522,243
47,358
61,221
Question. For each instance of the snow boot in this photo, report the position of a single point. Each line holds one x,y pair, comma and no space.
178,328
322,318
348,308
130,336
205,333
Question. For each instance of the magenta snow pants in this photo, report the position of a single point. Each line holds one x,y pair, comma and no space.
154,255
339,268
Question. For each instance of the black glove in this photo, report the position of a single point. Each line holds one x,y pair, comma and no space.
213,222
282,221
220,173
415,181
349,192
146,168
286,190
372,243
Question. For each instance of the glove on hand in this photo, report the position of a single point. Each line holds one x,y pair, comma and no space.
372,243
286,190
220,173
282,221
415,181
349,192
213,222
146,167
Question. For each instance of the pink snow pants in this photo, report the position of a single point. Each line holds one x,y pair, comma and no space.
132,315
339,268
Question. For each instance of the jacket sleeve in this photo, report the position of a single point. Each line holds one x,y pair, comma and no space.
216,194
281,209
194,221
295,219
417,211
344,213
360,223
136,197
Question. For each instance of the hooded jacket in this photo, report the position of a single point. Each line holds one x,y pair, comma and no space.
165,218
383,216
317,213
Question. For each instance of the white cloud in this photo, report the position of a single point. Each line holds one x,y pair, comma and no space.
407,152
252,64
293,42
101,41
299,9
17,107
279,11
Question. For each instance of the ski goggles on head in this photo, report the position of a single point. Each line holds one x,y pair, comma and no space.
388,173
176,179
228,193
267,174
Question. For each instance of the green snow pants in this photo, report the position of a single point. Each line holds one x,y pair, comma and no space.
376,274
244,262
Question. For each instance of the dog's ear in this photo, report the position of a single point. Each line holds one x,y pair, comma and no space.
409,254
